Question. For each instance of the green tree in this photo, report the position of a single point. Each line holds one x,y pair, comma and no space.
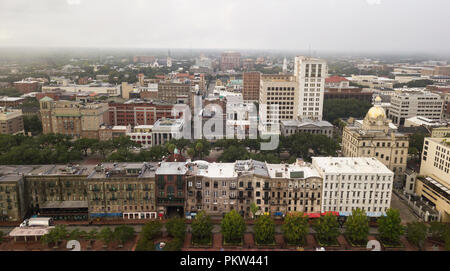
416,143
151,229
123,233
103,148
75,234
390,228
295,228
84,144
254,208
327,229
32,124
106,235
190,153
439,231
233,227
174,245
416,233
176,227
149,232
202,228
357,227
264,230
181,143
343,108
171,147
234,153
55,235
92,235
124,142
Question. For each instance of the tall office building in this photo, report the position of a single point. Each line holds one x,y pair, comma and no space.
310,74
281,90
407,103
250,92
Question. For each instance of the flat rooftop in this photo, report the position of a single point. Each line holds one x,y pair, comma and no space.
172,168
351,165
442,141
10,178
61,170
29,231
112,170
292,171
213,170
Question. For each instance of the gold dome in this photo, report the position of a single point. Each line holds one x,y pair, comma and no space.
376,112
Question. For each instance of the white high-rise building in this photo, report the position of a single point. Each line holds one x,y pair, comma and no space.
310,74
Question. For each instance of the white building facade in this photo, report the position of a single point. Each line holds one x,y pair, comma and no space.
357,182
310,74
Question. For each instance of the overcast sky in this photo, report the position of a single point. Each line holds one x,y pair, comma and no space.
330,25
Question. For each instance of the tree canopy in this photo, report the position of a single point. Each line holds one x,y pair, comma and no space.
344,108
202,228
357,227
295,228
264,230
390,228
233,227
327,229
416,233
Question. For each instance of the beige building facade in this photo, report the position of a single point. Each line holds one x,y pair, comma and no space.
11,121
375,136
433,183
72,118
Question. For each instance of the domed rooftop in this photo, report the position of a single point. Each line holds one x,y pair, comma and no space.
376,112
46,99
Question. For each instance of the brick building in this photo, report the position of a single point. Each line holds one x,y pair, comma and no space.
26,86
135,112
251,83
230,61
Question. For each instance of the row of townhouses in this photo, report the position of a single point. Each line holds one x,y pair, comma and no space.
151,190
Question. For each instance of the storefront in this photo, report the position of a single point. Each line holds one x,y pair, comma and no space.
140,215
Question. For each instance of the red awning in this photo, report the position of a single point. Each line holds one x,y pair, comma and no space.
313,215
330,212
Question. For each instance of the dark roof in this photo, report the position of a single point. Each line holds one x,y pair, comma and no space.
413,130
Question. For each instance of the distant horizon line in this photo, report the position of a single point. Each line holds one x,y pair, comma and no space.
312,52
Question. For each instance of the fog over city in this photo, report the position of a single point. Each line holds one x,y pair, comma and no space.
322,25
